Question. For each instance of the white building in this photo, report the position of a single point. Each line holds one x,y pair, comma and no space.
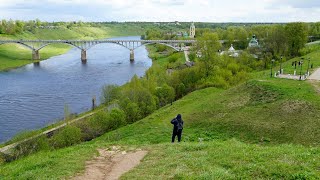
231,52
192,30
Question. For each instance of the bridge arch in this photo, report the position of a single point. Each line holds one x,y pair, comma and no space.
168,45
47,44
20,43
117,43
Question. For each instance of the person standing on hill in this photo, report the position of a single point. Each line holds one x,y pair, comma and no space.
177,128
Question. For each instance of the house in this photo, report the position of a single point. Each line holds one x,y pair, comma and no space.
253,42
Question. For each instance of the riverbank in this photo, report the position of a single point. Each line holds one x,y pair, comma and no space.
14,56
164,59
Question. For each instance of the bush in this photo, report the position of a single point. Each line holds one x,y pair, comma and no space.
173,58
101,123
110,93
192,56
68,136
95,126
165,94
2,158
180,90
161,47
132,111
116,119
29,147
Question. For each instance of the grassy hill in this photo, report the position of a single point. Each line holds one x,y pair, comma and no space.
265,128
13,55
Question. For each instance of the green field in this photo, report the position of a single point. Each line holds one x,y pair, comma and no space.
12,55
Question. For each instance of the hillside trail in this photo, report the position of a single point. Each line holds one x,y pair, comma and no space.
111,164
314,79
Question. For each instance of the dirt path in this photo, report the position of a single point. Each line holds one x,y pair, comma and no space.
315,75
314,79
111,164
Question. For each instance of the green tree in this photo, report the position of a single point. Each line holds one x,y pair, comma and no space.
19,26
208,46
11,27
165,94
110,93
297,34
277,41
314,30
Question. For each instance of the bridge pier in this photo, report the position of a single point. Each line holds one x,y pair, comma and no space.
35,55
131,55
83,55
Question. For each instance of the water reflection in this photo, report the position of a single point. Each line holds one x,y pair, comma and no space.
34,96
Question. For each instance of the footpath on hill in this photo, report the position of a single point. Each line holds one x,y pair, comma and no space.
315,75
111,164
314,79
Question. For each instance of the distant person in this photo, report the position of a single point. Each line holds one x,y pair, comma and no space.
177,128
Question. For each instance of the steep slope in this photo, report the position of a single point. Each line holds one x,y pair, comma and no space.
260,129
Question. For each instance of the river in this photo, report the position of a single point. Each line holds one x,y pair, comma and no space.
33,97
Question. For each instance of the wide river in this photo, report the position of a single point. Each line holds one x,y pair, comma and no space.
34,96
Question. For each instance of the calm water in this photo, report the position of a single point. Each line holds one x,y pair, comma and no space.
33,96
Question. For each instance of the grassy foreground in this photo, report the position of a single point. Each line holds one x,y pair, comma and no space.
12,55
263,129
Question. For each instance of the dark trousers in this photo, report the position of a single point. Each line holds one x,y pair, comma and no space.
176,133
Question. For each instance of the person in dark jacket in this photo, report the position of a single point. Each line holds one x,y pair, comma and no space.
177,128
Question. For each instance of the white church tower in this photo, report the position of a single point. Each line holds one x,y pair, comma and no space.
192,30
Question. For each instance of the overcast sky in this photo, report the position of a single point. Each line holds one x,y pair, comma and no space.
162,10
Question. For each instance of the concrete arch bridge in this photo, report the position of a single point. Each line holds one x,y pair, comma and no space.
36,45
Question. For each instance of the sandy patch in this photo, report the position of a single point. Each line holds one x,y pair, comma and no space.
111,164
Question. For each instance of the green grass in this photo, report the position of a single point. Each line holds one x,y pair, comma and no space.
13,55
229,159
314,59
266,128
261,129
166,59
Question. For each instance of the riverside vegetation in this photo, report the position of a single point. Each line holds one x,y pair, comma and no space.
235,127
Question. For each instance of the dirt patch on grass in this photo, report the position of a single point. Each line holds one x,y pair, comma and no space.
315,84
239,101
296,107
111,164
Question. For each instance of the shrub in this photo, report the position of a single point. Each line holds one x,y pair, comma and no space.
96,125
161,47
192,56
233,67
110,93
29,147
180,90
2,158
132,111
68,136
173,58
165,94
116,119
